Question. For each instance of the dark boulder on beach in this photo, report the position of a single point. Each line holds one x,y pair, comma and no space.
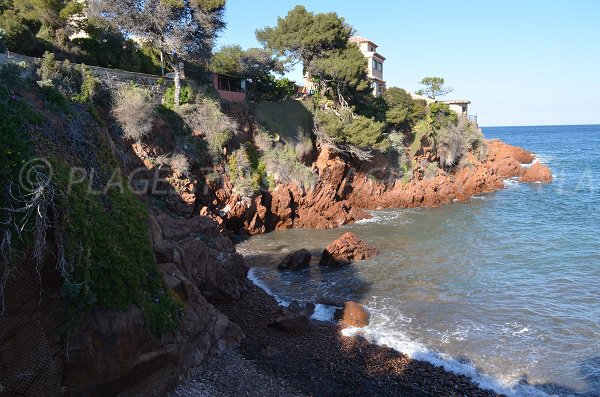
297,261
345,250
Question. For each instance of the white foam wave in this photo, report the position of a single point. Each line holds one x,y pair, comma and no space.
417,351
260,284
510,183
324,312
390,336
381,216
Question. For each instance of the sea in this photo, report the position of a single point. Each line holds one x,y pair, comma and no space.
504,288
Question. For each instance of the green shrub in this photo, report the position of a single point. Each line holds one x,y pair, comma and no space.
344,127
11,79
431,171
185,96
118,277
63,76
179,163
88,86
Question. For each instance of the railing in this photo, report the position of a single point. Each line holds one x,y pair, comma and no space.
473,118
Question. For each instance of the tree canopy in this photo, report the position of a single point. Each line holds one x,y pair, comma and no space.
180,29
321,42
402,110
302,36
433,87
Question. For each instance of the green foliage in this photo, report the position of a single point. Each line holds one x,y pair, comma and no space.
343,72
280,164
285,88
109,258
403,112
320,42
15,146
112,278
205,118
359,131
242,167
433,87
302,35
228,60
364,132
442,115
54,97
259,67
185,96
431,171
88,86
11,77
108,48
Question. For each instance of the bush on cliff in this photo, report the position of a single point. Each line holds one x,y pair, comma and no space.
403,112
282,164
134,111
344,127
205,119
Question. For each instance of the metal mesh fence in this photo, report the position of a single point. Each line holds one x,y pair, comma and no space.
27,365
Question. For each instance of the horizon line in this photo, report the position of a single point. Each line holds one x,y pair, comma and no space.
540,125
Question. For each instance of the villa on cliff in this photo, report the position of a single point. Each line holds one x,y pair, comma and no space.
375,63
375,67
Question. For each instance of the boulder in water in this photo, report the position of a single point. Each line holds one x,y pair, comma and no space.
345,250
537,173
296,261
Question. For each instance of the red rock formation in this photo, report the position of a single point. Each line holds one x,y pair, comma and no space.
114,352
345,250
354,315
537,173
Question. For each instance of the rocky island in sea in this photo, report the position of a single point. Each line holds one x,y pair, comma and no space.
143,169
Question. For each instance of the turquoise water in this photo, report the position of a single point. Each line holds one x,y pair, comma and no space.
504,288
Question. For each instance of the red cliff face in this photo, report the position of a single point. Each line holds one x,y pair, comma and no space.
341,192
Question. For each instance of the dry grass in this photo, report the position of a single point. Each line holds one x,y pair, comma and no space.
134,111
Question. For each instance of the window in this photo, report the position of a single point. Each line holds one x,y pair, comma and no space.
230,84
377,65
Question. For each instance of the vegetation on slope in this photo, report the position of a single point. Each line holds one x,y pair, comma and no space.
77,197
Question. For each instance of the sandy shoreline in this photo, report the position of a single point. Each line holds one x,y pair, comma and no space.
316,362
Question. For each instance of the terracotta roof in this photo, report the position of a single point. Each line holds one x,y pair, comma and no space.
358,39
457,102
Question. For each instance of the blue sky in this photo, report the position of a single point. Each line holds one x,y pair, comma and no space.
520,62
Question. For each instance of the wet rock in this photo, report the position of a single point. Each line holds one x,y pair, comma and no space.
295,307
345,250
297,261
293,323
537,173
309,309
353,315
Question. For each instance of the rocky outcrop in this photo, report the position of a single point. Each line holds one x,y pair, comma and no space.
345,250
353,315
114,353
345,188
296,261
537,173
